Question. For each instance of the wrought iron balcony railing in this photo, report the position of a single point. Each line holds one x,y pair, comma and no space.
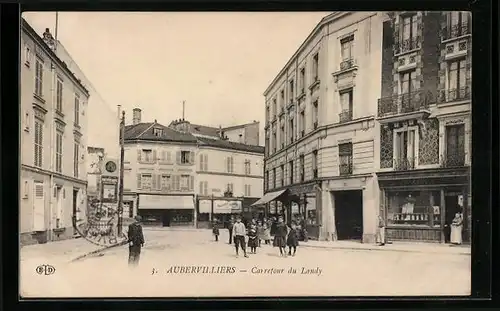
456,31
451,95
404,103
406,45
453,160
346,64
404,164
345,116
345,166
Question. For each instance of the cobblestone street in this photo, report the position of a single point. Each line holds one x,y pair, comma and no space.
337,272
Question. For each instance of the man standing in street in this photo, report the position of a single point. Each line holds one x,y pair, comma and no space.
230,228
239,232
381,230
135,241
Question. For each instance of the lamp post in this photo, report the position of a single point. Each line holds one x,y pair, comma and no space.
122,169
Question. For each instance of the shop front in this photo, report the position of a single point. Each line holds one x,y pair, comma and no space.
219,209
166,211
421,205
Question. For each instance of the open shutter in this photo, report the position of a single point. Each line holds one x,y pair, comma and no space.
191,183
232,164
176,182
202,167
139,155
139,181
154,156
178,157
38,207
249,194
205,162
191,157
227,165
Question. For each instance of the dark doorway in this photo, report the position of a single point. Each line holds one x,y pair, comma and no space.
166,218
349,214
75,201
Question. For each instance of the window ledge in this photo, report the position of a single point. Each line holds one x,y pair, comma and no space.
27,64
39,98
407,52
456,38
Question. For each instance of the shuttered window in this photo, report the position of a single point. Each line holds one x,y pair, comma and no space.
146,181
59,143
39,77
230,164
59,95
166,181
38,154
76,154
77,109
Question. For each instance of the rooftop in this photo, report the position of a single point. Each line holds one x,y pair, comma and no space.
226,144
145,131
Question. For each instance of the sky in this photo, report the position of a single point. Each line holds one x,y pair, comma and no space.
219,63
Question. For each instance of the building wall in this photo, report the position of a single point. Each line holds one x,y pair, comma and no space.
249,134
217,177
29,173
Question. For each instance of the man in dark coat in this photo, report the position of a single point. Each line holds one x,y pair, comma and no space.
135,241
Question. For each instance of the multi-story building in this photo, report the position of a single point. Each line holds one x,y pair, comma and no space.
53,137
159,177
425,124
320,127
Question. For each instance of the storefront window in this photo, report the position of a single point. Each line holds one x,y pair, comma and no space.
182,216
203,217
414,208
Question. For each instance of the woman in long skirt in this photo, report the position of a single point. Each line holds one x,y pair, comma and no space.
252,239
267,234
456,229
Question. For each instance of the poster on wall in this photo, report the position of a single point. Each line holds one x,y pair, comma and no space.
227,207
272,207
295,208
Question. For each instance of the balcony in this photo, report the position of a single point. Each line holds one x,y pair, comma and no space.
453,95
451,160
456,31
404,164
347,64
404,106
315,173
407,45
346,168
345,116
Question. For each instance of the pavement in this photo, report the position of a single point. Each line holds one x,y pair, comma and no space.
215,271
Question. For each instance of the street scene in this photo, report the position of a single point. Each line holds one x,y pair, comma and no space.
226,154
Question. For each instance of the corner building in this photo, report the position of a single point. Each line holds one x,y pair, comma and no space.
425,124
320,128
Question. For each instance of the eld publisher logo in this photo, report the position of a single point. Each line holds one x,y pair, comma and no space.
45,269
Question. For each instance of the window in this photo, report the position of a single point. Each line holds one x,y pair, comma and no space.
282,99
274,139
315,68
59,144
248,192
315,163
282,176
266,182
267,143
409,28
39,77
455,145
204,162
27,55
165,182
407,208
275,108
282,135
346,104
457,80
77,109
302,80
302,168
346,46
146,181
184,182
203,188
345,159
405,145
248,167
408,81
291,172
274,178
291,90
268,114
147,155
166,156
230,164
38,143
76,154
302,123
158,132
457,24
185,157
292,130
315,114
59,95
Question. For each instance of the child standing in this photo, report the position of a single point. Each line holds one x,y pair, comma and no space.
252,239
260,233
215,230
292,241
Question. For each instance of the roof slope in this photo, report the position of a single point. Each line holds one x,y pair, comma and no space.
226,144
145,131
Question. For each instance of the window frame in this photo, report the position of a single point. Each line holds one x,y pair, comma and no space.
59,151
39,63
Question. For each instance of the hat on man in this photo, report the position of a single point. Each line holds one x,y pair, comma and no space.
138,218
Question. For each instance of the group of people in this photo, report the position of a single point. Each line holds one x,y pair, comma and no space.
257,231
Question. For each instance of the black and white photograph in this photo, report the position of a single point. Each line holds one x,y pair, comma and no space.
245,154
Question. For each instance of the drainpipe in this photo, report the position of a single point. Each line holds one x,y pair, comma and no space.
51,148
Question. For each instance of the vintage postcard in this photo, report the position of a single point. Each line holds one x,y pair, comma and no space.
229,154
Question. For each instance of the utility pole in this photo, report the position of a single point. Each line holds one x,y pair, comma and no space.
122,169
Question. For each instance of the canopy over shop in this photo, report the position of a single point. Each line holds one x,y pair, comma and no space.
285,197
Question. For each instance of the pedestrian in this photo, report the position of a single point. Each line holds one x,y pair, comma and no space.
230,228
260,232
215,230
279,238
381,231
292,241
267,234
456,229
252,239
239,232
135,241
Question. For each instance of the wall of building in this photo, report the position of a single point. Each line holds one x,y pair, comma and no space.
217,176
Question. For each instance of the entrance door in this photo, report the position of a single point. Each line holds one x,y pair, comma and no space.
452,206
166,219
349,214
38,207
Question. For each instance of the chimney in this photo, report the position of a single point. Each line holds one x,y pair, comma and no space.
136,116
241,139
221,134
119,108
49,39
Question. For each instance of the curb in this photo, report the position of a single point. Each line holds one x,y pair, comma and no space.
97,251
383,249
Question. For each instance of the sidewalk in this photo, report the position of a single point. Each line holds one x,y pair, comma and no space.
407,247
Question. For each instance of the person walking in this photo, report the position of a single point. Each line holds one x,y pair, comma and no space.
239,232
381,230
215,230
280,236
135,241
252,239
230,228
292,240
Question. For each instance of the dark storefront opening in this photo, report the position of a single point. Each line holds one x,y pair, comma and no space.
75,203
349,214
166,218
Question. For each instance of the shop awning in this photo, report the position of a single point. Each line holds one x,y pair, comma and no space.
268,197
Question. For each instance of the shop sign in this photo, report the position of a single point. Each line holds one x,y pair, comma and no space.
109,189
227,207
300,190
205,206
